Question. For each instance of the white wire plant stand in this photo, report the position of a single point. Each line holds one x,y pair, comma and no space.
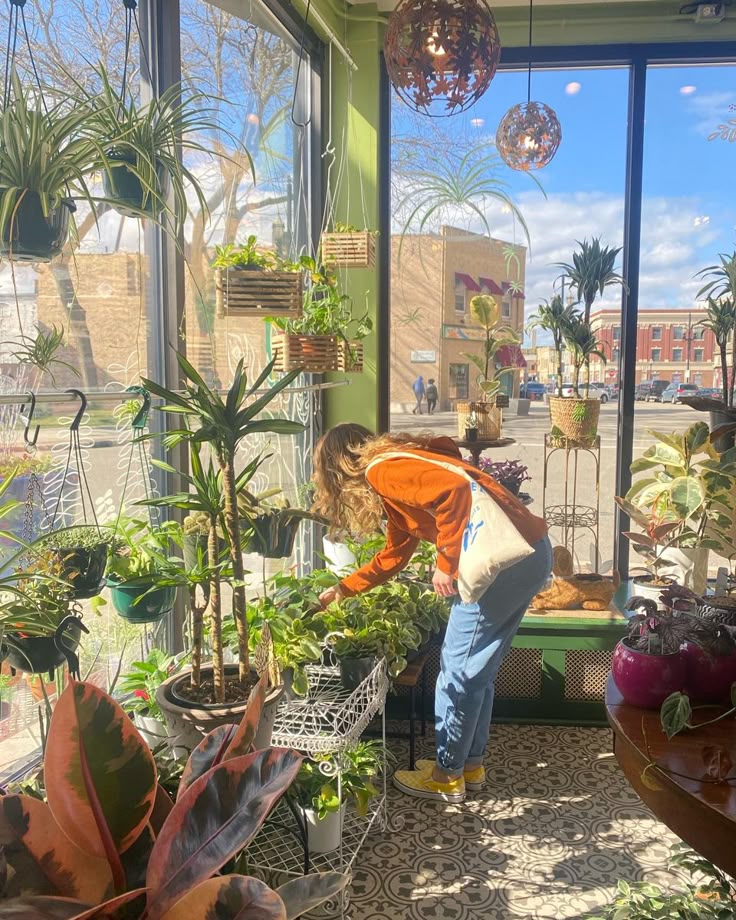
327,721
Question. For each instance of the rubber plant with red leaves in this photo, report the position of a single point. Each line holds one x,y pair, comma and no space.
110,844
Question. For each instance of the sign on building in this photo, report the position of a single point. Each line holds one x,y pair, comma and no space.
424,357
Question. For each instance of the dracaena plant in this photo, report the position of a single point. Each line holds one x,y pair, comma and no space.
486,312
224,423
583,345
591,271
554,316
109,841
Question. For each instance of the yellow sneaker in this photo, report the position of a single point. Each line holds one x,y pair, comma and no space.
475,779
421,785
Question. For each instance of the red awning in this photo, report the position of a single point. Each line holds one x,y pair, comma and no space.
470,283
490,285
510,356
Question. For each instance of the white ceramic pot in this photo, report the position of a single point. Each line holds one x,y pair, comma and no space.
339,558
690,567
641,587
153,731
323,836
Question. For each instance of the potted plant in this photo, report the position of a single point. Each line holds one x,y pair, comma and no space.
554,317
591,271
327,336
140,563
720,534
141,684
647,664
510,473
257,283
471,428
348,247
122,845
5,685
323,800
45,159
211,695
272,522
486,312
575,418
81,553
656,536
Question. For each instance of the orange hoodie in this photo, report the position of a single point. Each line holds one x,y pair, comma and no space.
426,502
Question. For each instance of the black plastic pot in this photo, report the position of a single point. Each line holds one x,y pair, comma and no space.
471,434
129,600
84,568
273,536
512,487
726,417
124,189
32,236
353,671
43,654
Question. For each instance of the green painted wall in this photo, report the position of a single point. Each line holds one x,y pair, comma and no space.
355,116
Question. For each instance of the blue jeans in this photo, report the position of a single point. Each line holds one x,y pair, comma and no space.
478,637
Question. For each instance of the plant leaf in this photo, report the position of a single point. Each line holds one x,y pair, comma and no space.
162,807
301,895
231,897
111,910
675,713
42,908
242,743
100,775
208,753
215,818
44,859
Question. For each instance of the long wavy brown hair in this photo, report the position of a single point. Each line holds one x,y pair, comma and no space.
343,495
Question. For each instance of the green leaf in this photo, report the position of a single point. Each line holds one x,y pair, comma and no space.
304,894
687,494
675,714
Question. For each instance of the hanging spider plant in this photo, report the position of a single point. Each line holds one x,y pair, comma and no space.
46,159
143,173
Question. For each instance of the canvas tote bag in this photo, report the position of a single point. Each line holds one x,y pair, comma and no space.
491,543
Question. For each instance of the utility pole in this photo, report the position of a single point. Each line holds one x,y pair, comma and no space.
688,339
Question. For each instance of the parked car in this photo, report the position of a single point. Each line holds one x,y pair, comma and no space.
613,389
651,390
596,389
710,392
532,390
641,390
675,391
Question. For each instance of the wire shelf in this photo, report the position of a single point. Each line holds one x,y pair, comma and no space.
330,718
571,516
277,851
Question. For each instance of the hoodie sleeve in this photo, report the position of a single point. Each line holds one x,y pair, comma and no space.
395,556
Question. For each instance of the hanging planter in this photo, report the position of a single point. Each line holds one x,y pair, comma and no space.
43,654
125,190
274,535
29,235
575,418
250,292
81,556
313,354
137,603
349,248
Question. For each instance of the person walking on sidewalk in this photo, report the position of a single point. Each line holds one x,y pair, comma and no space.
432,396
490,550
418,387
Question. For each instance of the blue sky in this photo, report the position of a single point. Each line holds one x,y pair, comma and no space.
689,206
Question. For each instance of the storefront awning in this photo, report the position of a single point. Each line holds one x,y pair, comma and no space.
490,285
510,356
470,283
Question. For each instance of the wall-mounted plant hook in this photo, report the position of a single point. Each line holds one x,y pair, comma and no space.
82,409
31,442
141,419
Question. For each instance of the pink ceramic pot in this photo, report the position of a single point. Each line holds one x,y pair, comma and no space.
647,680
709,677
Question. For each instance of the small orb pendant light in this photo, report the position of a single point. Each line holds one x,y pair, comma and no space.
441,55
529,133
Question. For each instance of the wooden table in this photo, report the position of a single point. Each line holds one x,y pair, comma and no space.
699,810
476,448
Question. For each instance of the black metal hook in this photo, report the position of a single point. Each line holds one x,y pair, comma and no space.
82,409
141,419
31,442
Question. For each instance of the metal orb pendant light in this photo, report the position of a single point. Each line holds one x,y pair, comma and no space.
529,133
441,55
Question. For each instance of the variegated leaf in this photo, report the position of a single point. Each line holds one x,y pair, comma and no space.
303,894
210,751
232,897
124,907
41,908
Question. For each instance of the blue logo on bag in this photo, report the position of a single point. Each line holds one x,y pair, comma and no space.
471,533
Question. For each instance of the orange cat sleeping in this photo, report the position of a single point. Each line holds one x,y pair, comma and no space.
571,592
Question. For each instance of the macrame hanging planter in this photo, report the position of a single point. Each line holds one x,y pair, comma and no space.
441,55
529,134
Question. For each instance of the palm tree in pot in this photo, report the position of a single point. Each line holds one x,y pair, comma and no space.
554,317
591,271
577,418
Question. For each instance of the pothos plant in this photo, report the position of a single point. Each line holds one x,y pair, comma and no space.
224,424
108,840
248,255
359,766
486,312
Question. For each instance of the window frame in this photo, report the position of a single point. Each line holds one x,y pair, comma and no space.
677,354
656,333
696,359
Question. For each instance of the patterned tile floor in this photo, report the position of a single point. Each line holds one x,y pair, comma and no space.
556,828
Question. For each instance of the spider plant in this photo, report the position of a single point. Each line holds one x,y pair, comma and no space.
592,271
224,424
40,351
144,144
46,159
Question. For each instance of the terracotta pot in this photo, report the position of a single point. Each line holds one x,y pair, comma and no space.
188,723
647,680
709,677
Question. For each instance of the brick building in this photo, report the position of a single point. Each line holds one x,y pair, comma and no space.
670,345
434,278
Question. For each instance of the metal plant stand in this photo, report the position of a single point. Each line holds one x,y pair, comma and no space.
572,516
329,720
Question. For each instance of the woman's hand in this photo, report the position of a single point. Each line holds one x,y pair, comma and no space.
330,596
444,584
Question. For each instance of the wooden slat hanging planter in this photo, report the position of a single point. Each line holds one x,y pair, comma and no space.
349,250
242,292
350,357
314,354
